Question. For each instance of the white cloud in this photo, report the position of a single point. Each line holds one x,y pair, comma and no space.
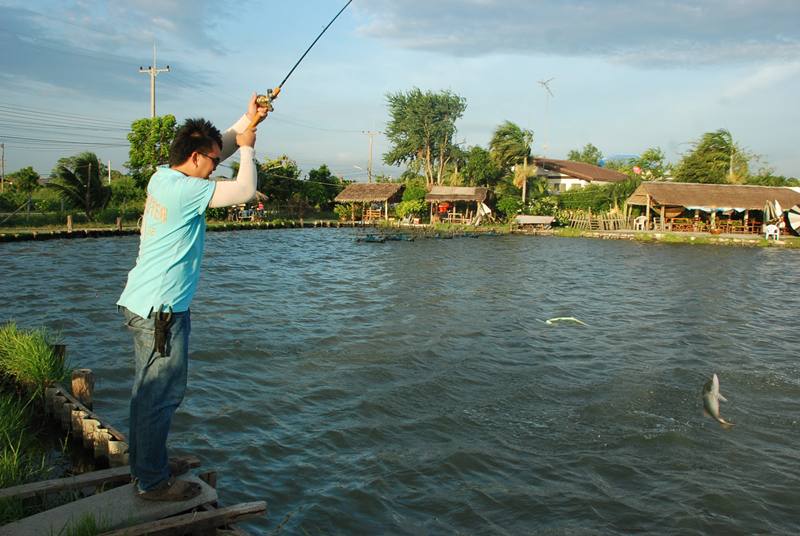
763,78
641,32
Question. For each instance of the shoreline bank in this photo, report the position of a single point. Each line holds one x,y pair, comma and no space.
562,232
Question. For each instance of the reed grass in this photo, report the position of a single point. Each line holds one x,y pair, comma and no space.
20,460
27,366
27,358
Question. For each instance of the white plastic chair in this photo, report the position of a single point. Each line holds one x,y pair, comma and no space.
638,223
773,231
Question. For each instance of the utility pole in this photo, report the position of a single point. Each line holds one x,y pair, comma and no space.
371,134
153,71
88,188
109,172
2,167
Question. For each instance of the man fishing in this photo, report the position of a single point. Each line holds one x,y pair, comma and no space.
161,285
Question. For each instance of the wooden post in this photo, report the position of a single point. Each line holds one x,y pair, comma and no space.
101,441
647,215
663,224
89,426
69,223
386,210
77,423
49,394
119,223
83,386
117,453
66,415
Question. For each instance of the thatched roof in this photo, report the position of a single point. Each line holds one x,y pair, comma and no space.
366,193
713,196
456,193
580,170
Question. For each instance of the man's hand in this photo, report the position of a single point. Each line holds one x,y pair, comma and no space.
254,111
246,138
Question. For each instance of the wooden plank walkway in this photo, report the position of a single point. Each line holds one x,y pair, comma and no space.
115,475
113,509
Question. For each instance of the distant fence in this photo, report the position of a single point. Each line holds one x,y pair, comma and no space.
600,222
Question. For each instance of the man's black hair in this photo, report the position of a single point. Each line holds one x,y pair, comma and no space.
194,135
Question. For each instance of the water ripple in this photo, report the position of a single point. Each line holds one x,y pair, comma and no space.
414,388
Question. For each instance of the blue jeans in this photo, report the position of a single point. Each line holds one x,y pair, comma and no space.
158,389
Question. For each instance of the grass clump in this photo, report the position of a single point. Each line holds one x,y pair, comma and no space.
27,358
27,366
20,460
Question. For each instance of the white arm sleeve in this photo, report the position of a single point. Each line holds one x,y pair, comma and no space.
229,137
242,190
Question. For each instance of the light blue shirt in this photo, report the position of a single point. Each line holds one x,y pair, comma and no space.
171,246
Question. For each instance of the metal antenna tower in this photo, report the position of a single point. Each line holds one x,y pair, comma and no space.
546,85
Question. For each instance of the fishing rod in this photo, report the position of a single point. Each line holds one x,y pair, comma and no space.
265,101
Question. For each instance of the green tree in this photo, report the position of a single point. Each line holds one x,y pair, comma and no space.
322,187
26,181
279,178
767,177
150,140
714,159
480,168
125,191
78,180
589,155
510,148
421,130
652,165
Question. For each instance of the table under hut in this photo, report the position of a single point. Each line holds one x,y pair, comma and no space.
374,199
717,208
453,204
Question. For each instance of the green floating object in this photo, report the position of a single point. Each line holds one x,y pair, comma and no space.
563,319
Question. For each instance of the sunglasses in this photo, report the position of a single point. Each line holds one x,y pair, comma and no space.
214,159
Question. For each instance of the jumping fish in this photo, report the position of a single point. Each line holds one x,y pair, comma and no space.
559,319
711,398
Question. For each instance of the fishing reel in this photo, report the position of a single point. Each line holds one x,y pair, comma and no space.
265,101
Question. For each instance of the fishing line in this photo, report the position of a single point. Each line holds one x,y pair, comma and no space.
265,101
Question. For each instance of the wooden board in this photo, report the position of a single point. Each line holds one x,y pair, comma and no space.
194,521
116,508
121,475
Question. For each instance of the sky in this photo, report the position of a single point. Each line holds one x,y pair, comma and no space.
625,75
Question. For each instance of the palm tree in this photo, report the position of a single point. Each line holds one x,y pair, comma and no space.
77,180
511,146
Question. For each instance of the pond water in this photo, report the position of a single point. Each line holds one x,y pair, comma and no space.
414,387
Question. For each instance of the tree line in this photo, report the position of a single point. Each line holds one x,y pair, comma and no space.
82,182
422,133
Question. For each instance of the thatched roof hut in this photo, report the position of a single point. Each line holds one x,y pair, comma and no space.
370,193
384,192
440,194
708,197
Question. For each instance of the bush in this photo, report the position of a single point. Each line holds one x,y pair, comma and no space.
509,205
28,359
415,190
411,208
345,211
543,206
47,200
11,200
